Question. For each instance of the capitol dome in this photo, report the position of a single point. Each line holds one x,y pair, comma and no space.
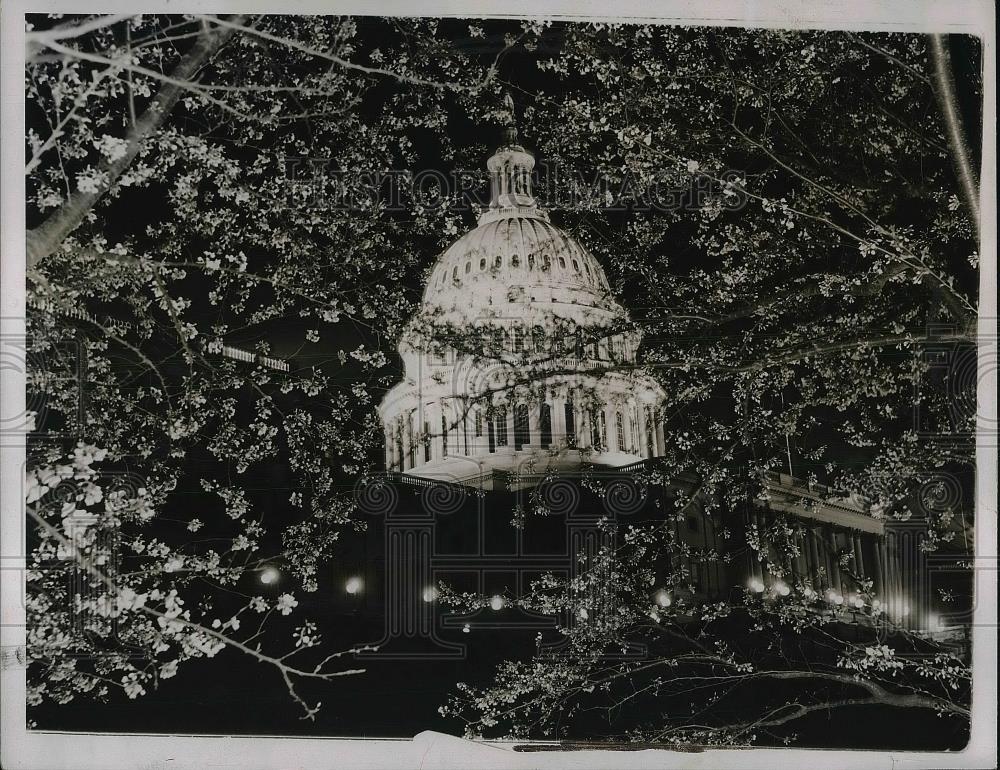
519,360
524,250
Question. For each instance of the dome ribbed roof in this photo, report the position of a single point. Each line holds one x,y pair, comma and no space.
526,251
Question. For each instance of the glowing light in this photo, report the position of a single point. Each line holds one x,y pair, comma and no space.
583,614
497,603
781,588
466,628
663,598
933,622
857,601
756,585
353,585
269,576
833,597
430,594
808,593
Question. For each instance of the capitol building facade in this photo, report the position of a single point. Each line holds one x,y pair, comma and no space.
521,367
519,361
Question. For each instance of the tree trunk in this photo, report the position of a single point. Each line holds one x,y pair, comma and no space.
944,91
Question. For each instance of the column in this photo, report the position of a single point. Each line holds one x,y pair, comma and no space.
411,449
661,444
434,423
819,581
465,429
879,574
831,538
558,415
801,570
859,557
583,424
613,410
643,441
534,422
477,444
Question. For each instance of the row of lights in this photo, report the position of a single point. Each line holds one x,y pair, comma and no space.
355,585
832,596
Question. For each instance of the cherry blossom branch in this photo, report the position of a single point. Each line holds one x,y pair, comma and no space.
75,29
288,673
44,239
345,63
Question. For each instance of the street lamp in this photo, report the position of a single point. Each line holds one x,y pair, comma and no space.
269,575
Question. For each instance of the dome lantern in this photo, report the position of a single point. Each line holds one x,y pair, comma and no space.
510,170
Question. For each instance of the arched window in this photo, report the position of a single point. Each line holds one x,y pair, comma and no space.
522,429
650,443
479,423
546,262
454,273
602,420
427,442
501,421
399,446
576,266
545,424
444,435
538,339
468,267
569,414
586,267
612,352
620,430
498,262
531,261
515,261
562,263
482,263
518,339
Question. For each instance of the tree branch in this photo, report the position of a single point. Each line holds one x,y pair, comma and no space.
944,91
44,239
